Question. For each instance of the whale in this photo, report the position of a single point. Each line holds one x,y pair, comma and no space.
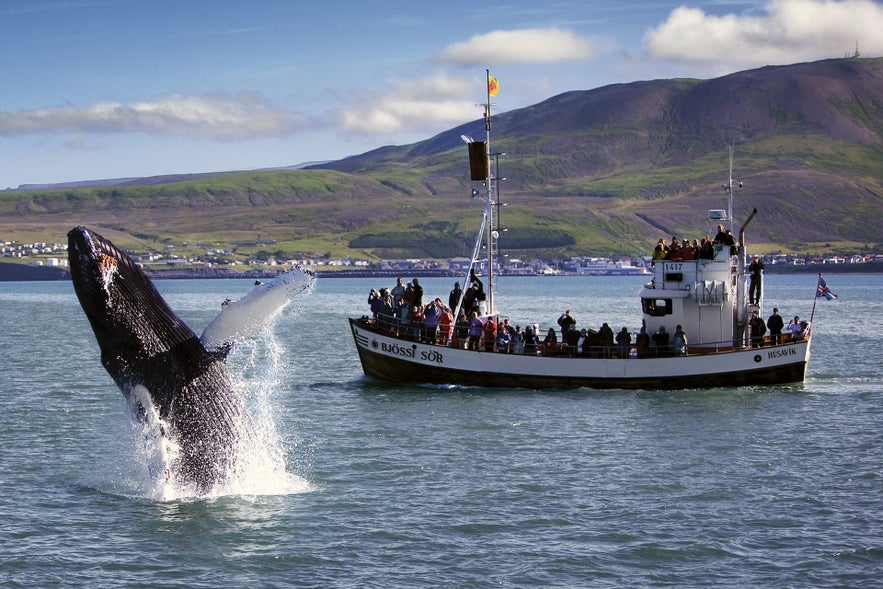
168,374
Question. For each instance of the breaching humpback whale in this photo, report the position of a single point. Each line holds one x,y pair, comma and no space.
161,366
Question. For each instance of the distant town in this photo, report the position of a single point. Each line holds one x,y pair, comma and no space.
226,262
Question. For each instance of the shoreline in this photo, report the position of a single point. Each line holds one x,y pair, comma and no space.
11,272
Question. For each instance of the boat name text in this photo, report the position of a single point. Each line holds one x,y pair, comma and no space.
781,352
425,355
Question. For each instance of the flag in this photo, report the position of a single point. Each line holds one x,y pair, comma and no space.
822,290
493,86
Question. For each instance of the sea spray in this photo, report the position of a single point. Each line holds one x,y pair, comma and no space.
258,460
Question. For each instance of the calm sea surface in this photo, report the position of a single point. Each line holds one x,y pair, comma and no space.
372,485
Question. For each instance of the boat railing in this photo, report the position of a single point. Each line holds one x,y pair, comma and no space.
440,337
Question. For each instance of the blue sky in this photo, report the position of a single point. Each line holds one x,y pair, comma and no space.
120,88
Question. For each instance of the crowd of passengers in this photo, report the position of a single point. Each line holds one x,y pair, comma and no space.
703,249
402,312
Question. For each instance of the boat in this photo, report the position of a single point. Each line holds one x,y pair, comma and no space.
707,298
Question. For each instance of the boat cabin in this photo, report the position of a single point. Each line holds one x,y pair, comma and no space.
702,296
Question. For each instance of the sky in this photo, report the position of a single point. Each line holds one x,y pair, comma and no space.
95,89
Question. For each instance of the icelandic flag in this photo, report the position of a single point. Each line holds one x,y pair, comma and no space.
822,290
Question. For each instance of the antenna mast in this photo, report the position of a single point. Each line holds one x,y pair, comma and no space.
730,192
489,201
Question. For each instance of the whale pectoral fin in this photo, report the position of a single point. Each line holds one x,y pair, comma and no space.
249,315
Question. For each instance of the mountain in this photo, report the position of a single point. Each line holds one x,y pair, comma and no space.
601,171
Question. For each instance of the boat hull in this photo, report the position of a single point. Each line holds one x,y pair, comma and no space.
392,359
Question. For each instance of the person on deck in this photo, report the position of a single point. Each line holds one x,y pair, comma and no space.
660,252
674,250
430,320
504,338
567,322
623,342
755,281
642,342
660,340
386,313
461,332
550,343
518,341
454,297
490,334
445,322
530,339
417,291
416,319
606,337
398,291
758,329
679,341
775,324
476,328
374,302
796,327
706,249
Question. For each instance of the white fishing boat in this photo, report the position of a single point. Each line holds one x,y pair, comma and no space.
708,298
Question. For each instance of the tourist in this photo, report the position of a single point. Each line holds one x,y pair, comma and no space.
755,281
623,342
530,339
758,329
796,327
679,341
490,334
550,343
454,297
567,322
660,340
775,324
398,291
518,341
476,328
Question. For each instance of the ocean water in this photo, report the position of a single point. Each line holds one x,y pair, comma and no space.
371,485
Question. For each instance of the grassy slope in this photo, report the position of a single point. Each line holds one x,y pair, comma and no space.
404,213
586,175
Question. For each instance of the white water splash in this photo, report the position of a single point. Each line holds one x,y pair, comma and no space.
259,468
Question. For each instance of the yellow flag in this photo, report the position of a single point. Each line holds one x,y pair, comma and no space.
493,86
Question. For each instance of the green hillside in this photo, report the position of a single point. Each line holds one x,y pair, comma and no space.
599,172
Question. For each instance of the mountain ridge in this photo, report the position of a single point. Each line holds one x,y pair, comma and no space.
600,171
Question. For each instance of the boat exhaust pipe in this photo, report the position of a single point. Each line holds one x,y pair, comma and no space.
742,230
741,318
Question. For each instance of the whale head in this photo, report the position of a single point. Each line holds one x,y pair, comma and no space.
123,306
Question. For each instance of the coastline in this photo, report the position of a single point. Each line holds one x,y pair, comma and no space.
11,272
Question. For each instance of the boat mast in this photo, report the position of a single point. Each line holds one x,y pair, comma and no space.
489,200
730,193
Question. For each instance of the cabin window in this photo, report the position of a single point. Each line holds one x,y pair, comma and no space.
656,307
674,276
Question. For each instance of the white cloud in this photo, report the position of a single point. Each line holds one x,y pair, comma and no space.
214,117
519,46
790,31
427,104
